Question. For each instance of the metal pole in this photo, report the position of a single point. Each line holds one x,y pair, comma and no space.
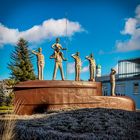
67,48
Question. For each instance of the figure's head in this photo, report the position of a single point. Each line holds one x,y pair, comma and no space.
57,40
91,55
112,69
40,50
77,53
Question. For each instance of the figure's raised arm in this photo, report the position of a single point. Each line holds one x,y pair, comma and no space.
34,52
63,48
87,57
76,55
53,46
113,71
73,55
60,47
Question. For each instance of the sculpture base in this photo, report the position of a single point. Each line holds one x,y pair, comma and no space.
42,96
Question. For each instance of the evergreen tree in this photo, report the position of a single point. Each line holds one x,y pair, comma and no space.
9,99
9,83
20,65
2,93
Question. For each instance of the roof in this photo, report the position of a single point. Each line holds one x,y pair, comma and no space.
137,60
106,78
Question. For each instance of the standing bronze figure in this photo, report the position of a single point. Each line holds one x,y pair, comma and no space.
58,56
92,67
112,81
77,65
40,61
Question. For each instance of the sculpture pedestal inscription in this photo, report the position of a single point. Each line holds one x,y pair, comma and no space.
42,96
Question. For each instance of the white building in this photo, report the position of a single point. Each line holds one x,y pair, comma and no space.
127,80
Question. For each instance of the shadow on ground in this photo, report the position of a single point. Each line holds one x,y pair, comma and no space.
83,124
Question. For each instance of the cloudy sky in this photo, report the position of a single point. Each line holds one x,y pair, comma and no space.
108,28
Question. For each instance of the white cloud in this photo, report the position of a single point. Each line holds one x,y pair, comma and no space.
8,36
137,11
132,28
48,29
101,52
85,69
71,68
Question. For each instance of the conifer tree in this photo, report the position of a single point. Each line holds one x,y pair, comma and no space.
2,93
20,64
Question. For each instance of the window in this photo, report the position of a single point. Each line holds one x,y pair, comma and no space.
136,88
120,89
105,90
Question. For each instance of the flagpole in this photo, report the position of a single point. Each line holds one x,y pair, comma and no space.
66,47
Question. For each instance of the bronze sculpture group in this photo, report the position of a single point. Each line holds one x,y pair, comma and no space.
59,58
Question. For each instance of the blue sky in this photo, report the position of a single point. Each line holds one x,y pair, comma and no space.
107,28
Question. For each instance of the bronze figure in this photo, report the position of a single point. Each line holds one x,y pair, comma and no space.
77,65
40,61
92,67
57,48
112,81
58,56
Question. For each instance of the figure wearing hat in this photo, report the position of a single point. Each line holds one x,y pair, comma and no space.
57,48
112,81
92,66
77,65
40,61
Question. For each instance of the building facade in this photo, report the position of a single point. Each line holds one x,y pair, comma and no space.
127,80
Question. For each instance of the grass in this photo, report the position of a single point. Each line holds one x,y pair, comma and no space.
8,121
6,109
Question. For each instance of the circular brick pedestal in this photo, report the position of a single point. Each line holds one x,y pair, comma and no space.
42,96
